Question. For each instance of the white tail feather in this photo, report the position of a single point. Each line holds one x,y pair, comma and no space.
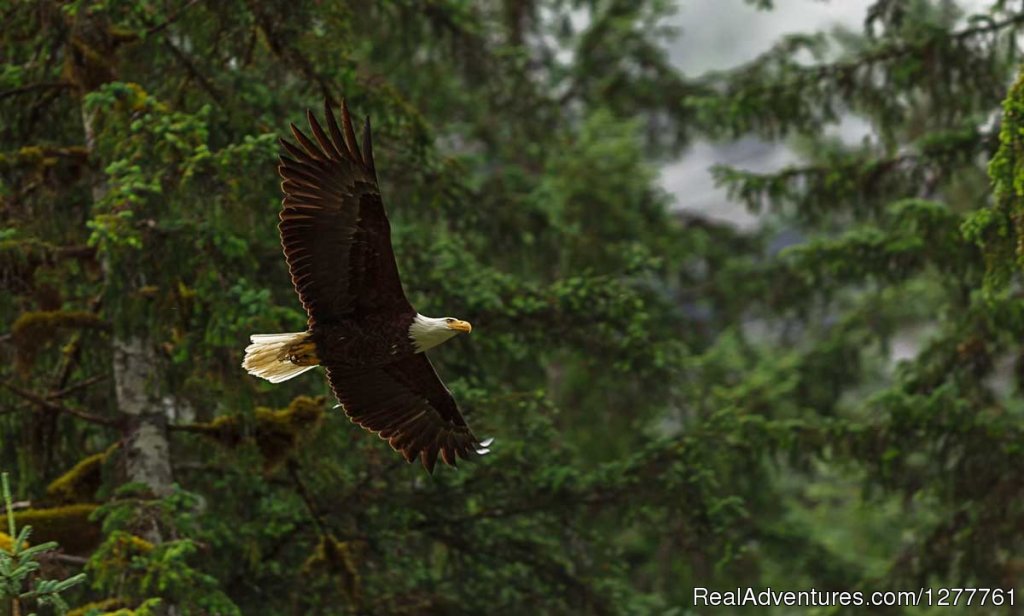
267,356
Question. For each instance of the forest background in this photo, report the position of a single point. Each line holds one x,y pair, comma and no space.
676,402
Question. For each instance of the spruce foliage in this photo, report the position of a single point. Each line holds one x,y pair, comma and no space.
675,402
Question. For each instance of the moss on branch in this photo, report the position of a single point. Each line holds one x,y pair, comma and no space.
277,433
68,525
34,330
81,481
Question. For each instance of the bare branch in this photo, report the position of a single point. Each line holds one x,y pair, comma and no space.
191,69
77,386
60,408
32,87
307,498
173,17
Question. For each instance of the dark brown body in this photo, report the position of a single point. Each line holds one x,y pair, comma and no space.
370,341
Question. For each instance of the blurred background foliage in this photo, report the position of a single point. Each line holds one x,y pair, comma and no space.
676,402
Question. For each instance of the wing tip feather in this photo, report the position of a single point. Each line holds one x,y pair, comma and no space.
350,134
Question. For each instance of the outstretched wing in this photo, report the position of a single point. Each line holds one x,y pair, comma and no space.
407,405
335,234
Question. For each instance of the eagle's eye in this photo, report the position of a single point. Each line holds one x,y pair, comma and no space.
449,320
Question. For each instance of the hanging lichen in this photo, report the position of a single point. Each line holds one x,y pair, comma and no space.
277,433
226,430
149,608
337,559
34,330
89,55
68,525
116,606
36,156
80,483
102,608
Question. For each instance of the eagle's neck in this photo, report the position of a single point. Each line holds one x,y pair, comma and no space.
427,332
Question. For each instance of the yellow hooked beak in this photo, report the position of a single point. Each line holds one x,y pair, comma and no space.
460,326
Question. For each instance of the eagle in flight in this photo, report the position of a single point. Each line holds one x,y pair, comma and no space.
361,327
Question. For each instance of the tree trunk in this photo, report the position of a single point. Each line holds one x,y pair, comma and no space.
136,371
146,448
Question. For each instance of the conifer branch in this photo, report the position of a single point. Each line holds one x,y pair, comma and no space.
67,391
746,76
43,402
34,87
173,17
72,353
287,52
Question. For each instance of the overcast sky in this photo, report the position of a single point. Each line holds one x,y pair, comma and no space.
719,34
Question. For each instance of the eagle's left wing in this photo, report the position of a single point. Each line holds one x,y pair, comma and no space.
407,405
334,231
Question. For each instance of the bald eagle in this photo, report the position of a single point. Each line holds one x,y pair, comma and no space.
361,327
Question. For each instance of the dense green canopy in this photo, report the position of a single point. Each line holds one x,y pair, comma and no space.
677,403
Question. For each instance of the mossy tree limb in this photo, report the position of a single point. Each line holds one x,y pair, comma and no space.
34,330
276,433
999,229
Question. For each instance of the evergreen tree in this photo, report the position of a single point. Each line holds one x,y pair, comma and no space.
675,402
